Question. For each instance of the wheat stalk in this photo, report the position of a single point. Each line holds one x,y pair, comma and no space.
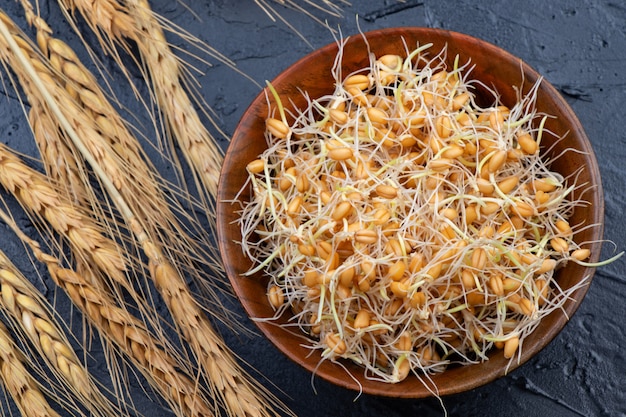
18,381
30,311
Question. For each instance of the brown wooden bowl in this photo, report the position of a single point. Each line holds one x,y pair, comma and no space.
495,68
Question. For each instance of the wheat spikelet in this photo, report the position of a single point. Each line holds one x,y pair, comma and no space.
109,20
30,310
18,382
62,164
129,334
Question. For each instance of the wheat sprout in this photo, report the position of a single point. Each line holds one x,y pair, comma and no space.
406,227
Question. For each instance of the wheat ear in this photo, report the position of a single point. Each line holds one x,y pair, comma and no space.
18,382
117,24
240,396
119,152
196,142
31,312
127,333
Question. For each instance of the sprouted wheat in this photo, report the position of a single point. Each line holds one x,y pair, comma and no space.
404,226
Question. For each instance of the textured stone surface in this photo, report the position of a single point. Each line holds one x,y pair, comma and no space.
578,45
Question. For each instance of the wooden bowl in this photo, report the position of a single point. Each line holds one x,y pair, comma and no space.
495,68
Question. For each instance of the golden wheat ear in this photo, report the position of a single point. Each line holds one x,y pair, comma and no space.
107,136
127,333
33,316
231,386
182,119
166,372
23,387
157,204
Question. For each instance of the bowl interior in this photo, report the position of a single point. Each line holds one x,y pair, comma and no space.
496,69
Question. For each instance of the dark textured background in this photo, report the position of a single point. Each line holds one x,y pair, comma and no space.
578,45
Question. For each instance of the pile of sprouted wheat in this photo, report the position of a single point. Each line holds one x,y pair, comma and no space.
404,226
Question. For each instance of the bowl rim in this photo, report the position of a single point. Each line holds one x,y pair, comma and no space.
464,382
